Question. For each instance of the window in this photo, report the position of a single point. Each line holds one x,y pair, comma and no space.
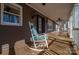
11,14
50,25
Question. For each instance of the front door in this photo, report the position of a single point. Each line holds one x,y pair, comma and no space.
40,24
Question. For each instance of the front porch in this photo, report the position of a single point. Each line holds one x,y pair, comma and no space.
15,32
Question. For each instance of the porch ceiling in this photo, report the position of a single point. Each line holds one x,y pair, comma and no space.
53,10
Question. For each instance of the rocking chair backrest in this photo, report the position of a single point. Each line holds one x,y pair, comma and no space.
33,30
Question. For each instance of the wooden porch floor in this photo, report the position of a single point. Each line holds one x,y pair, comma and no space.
56,47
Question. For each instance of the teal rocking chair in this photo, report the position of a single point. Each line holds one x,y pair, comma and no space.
38,38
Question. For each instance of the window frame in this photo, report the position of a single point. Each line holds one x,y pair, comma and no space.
9,23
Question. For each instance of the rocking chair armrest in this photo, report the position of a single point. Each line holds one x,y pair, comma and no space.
42,35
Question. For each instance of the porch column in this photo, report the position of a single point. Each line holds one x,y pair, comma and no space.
11,49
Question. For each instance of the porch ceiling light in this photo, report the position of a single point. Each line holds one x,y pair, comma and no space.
43,4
